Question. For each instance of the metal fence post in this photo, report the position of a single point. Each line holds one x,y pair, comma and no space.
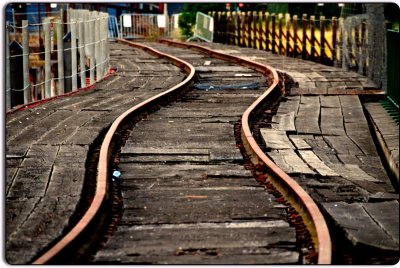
106,45
97,53
92,47
60,57
73,56
82,57
25,61
47,58
8,76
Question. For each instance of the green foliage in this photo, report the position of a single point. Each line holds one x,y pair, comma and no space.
187,19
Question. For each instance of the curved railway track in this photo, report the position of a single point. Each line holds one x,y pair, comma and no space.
290,193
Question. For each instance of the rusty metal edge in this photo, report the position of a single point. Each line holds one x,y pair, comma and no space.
303,203
102,168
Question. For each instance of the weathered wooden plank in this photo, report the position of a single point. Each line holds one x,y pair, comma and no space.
358,225
307,118
197,205
386,215
332,121
276,139
343,145
290,162
163,150
284,122
312,160
202,244
299,142
164,158
290,105
330,101
352,172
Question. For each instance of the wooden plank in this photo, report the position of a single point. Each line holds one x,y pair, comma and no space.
163,151
290,162
358,226
299,142
290,105
307,118
201,243
154,206
330,101
276,139
386,215
284,122
312,160
343,145
332,121
352,172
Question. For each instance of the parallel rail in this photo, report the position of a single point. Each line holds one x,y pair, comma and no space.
298,198
295,194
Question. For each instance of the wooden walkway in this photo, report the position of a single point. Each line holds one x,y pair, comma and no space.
188,199
320,136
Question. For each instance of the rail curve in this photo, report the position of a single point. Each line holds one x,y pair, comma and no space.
303,203
284,183
105,151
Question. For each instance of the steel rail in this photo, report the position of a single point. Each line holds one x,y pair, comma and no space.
105,153
286,185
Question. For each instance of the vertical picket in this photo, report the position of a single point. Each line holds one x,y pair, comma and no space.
8,74
304,43
322,38
273,33
60,57
25,61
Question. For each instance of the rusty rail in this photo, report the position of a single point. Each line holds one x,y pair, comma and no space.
296,195
105,153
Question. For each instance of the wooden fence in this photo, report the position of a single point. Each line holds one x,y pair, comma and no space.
305,37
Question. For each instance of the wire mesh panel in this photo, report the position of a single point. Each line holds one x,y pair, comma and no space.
204,28
140,25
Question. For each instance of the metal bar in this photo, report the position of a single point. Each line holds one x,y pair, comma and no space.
82,56
8,75
60,57
74,63
25,61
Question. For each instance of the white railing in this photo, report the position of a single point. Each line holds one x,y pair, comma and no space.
134,26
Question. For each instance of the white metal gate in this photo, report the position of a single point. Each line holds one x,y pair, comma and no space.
204,28
140,25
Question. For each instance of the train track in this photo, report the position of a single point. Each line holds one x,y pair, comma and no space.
145,153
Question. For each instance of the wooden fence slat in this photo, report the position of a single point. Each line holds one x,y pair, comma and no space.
364,47
260,29
334,38
312,28
322,36
295,46
239,23
287,18
249,19
280,22
304,41
273,33
267,31
255,19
